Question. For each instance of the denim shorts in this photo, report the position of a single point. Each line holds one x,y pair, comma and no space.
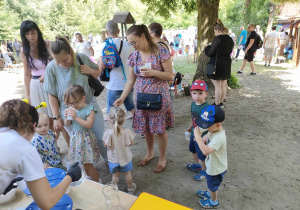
194,148
113,95
115,167
214,182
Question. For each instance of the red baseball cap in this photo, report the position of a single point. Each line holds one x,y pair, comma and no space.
199,85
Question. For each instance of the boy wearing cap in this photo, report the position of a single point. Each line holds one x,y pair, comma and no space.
199,93
214,147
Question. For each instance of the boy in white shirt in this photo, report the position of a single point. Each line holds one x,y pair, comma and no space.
214,146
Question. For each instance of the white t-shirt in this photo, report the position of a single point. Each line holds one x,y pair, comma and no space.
216,162
83,47
18,156
117,80
271,39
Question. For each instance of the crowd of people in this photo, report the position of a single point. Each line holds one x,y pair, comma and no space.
58,74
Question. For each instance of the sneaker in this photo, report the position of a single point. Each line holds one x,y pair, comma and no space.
201,176
253,73
269,65
203,194
208,205
239,72
266,64
132,191
222,105
194,167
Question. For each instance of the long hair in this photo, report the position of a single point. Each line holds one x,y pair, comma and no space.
44,55
117,118
18,115
220,26
61,43
138,30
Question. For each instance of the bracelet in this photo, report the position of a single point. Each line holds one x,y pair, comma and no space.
56,117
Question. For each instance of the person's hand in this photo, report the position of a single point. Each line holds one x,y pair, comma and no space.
58,124
41,79
12,185
189,130
84,69
74,172
197,133
66,112
118,102
72,113
29,99
246,51
147,72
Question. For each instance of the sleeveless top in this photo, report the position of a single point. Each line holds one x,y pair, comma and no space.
40,68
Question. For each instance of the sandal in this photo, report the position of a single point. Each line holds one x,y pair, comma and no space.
159,168
203,194
208,205
144,161
132,191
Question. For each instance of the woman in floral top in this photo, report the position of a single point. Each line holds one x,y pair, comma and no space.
154,81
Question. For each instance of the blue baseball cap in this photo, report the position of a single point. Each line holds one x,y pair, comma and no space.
210,115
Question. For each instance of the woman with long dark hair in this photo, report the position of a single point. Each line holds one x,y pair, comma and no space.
35,57
152,81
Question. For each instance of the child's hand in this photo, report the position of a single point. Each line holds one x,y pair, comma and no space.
197,133
189,130
66,113
72,113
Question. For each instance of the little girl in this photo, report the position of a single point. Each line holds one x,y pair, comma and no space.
45,141
83,146
117,140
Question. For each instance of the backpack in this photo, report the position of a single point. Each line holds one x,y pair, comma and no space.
258,42
111,58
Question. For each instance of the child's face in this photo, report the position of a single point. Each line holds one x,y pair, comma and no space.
199,96
76,104
43,126
215,127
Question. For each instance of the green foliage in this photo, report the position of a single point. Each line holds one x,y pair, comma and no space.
233,81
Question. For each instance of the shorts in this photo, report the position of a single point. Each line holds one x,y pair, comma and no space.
250,55
115,167
214,182
194,148
113,95
269,52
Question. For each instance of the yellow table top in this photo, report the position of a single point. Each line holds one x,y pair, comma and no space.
150,202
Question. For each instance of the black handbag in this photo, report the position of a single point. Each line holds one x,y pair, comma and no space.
95,84
211,68
148,101
104,76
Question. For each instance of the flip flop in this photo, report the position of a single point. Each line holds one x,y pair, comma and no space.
144,161
159,168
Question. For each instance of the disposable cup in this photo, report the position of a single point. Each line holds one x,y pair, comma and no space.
187,135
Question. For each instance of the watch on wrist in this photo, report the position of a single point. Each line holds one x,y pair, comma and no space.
56,117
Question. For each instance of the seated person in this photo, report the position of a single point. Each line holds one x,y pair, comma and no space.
45,141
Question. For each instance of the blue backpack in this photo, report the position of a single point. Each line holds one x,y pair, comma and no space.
111,58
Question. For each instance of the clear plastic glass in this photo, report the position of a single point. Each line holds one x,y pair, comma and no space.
110,193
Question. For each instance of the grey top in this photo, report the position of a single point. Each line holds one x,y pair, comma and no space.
58,79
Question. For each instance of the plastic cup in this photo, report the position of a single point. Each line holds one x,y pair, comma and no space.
187,135
148,65
70,117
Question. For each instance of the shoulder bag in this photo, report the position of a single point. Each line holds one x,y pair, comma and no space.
95,84
148,101
211,68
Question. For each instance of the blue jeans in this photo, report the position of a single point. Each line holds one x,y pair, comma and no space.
113,95
97,129
238,51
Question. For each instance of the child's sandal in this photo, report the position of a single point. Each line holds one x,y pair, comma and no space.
132,191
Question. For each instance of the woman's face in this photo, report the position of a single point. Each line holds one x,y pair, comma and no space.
32,36
63,59
135,41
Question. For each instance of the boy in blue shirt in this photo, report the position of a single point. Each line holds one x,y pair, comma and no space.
214,147
199,94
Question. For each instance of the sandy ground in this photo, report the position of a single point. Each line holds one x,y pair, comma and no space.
262,128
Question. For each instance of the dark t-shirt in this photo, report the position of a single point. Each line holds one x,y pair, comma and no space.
196,111
253,35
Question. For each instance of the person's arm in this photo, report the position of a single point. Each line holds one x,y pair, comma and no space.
57,134
211,50
249,45
241,38
27,77
92,50
206,150
190,127
278,41
54,104
128,87
265,41
88,123
167,74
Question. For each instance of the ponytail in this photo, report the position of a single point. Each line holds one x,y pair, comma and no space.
62,44
117,118
220,26
139,30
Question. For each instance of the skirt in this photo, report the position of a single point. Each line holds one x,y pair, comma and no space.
37,96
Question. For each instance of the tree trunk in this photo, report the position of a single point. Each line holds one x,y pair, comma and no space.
207,18
270,22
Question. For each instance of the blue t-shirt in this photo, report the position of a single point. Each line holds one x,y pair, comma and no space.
196,111
244,34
